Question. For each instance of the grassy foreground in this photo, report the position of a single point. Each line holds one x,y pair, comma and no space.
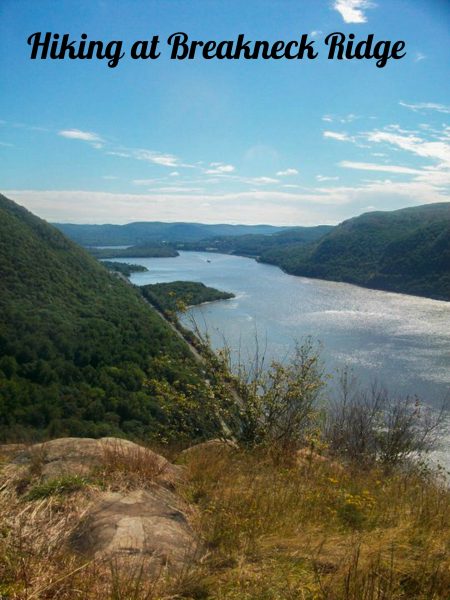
309,529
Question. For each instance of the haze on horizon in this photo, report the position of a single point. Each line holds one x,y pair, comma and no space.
277,142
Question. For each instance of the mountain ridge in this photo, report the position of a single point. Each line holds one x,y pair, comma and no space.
364,250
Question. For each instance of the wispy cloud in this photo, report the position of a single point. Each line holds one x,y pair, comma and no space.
426,106
363,166
339,136
78,134
119,154
262,180
419,56
157,158
217,168
321,178
352,11
435,150
287,173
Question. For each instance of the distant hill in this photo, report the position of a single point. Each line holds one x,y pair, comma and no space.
81,353
256,244
144,251
146,233
405,250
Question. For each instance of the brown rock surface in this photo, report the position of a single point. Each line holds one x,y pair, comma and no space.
78,456
146,525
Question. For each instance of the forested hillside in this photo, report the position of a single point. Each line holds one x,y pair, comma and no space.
148,233
80,351
406,250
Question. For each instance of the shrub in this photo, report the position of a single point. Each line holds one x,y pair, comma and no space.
366,426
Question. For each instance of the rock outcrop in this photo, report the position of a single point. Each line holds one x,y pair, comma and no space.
148,525
79,456
142,519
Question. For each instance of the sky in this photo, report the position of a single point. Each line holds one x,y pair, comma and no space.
285,142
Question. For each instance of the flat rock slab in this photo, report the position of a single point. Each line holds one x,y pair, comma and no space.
144,525
78,456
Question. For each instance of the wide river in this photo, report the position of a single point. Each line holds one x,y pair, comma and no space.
402,342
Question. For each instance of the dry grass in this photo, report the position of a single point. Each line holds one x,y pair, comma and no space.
319,532
125,468
272,532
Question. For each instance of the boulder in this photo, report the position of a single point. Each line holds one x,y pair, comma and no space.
143,525
78,456
215,446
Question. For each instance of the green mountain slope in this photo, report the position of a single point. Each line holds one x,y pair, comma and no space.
406,250
80,351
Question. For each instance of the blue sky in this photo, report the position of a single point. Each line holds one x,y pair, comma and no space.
285,142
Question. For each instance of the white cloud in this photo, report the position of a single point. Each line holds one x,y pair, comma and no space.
419,56
287,172
412,143
282,208
424,106
352,11
119,154
326,178
174,174
77,134
157,158
362,166
262,180
327,204
335,135
219,168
